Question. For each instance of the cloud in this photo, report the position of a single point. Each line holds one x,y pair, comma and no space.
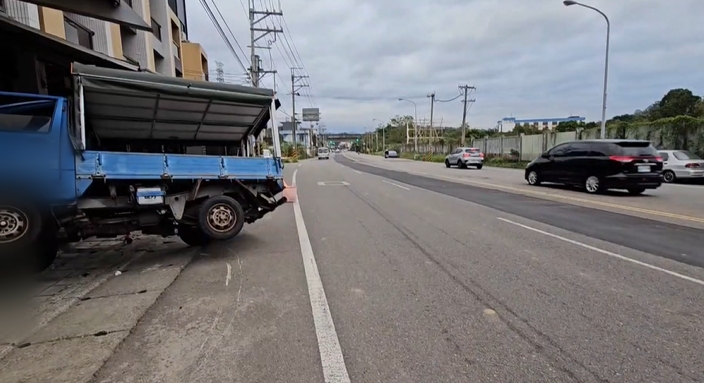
527,58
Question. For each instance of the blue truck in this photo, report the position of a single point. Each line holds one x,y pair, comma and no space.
132,151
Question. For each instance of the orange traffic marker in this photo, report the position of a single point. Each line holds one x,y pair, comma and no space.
290,192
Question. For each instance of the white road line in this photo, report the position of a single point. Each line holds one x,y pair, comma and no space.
357,171
334,368
606,252
229,274
395,184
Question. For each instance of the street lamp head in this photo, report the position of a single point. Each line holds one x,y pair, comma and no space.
567,3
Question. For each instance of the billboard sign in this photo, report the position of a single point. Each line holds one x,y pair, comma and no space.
311,114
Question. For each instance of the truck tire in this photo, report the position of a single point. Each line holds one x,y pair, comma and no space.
27,240
221,218
192,236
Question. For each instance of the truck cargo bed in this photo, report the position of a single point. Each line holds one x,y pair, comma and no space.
114,165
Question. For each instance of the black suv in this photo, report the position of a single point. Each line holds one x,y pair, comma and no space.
598,165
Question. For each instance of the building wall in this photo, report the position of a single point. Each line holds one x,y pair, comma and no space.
137,45
51,21
102,41
175,34
195,61
125,43
116,41
25,13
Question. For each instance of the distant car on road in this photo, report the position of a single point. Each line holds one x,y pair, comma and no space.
337,150
323,154
390,154
464,157
681,164
598,165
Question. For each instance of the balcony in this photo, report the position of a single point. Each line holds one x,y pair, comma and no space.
177,56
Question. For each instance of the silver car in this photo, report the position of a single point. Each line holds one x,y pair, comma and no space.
464,157
681,164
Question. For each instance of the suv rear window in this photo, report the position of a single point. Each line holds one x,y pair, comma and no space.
636,149
471,150
322,150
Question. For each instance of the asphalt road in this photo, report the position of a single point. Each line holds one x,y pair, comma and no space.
384,276
678,203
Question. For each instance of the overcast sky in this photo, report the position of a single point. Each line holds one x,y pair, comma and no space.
526,58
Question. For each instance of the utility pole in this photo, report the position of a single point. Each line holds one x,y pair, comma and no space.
256,33
466,89
294,92
256,73
432,104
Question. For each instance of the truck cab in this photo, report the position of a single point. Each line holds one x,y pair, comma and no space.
133,151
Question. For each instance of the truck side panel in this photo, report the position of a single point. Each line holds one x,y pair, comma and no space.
113,165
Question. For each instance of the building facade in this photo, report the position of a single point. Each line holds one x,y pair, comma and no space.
508,123
164,49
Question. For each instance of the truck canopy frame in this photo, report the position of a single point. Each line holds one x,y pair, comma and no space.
139,105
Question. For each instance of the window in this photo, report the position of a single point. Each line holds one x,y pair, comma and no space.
636,148
24,114
128,2
173,6
578,149
78,34
685,155
156,29
471,150
2,5
665,156
559,150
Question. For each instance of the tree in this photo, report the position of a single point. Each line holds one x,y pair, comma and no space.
679,102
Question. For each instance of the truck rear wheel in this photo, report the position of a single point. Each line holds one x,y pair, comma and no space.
27,241
221,217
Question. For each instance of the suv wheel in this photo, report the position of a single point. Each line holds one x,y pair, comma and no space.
592,184
669,176
533,178
447,164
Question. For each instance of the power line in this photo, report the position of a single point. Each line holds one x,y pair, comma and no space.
230,30
296,51
220,31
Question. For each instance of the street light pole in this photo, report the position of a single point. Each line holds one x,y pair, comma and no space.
606,63
383,134
415,123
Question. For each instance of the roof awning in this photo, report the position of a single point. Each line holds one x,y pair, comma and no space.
113,11
138,105
16,33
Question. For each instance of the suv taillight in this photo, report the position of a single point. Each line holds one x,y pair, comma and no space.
481,155
692,165
465,155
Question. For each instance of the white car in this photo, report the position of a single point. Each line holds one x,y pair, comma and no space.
323,154
681,164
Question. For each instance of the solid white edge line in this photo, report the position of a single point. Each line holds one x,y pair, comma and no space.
332,360
357,171
395,184
605,252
